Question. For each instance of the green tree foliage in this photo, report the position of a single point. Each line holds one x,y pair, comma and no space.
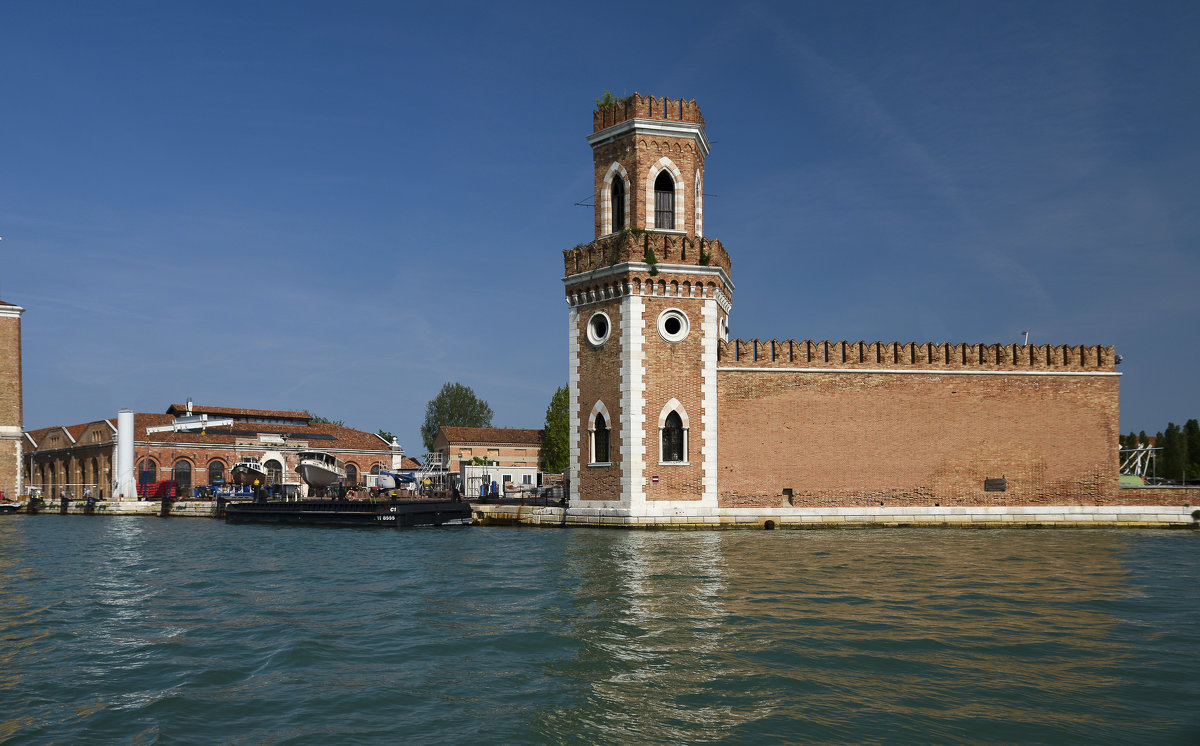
556,443
1191,437
1173,457
319,420
389,437
455,406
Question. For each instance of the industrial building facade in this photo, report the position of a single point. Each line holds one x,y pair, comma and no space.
80,457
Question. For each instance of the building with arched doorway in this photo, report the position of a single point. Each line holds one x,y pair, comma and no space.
79,457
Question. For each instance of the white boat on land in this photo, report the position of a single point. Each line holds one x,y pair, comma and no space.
248,471
319,470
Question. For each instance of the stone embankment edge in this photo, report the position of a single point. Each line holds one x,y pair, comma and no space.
185,509
1057,516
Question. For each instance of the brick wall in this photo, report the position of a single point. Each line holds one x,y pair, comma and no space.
673,371
600,380
853,439
11,431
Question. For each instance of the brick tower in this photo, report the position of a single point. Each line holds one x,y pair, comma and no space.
11,430
649,301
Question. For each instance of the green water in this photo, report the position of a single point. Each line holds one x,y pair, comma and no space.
148,630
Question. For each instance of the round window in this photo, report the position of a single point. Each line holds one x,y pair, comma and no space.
598,328
673,325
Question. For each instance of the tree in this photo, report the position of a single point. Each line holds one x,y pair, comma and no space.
319,420
1174,453
556,442
455,406
1191,436
389,437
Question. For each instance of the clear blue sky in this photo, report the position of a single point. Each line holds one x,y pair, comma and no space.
341,206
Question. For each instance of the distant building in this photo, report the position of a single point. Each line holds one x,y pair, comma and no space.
83,456
505,446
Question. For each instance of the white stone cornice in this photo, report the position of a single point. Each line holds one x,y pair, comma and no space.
653,127
640,267
11,311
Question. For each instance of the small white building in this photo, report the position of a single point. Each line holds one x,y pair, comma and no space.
474,476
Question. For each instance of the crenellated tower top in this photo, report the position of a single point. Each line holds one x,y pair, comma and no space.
649,156
638,106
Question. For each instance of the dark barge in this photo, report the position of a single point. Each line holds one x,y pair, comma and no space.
375,513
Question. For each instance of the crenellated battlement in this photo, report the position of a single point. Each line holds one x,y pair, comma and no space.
638,106
636,246
902,356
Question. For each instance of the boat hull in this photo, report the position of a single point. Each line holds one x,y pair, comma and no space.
392,514
245,476
317,476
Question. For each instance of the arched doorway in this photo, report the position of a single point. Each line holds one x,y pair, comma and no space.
274,471
147,472
216,473
183,478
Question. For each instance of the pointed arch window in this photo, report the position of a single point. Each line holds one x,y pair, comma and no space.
617,204
600,435
673,434
664,201
600,440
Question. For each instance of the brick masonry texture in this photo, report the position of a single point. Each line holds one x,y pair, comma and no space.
10,401
673,372
856,439
600,381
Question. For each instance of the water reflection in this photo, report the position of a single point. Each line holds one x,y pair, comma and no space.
713,635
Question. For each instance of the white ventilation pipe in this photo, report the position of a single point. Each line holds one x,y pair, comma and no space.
126,480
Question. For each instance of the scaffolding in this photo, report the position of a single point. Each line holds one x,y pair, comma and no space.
1138,461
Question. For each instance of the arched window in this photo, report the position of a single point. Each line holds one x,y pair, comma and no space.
664,201
148,472
618,203
96,474
274,471
183,477
375,469
351,474
673,433
216,472
600,440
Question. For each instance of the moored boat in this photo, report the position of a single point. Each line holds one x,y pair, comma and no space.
248,471
381,514
320,470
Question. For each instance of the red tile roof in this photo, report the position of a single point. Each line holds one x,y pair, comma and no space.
495,435
178,409
339,437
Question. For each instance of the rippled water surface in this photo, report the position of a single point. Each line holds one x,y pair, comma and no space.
148,630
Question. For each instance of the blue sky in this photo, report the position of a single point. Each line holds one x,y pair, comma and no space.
341,206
